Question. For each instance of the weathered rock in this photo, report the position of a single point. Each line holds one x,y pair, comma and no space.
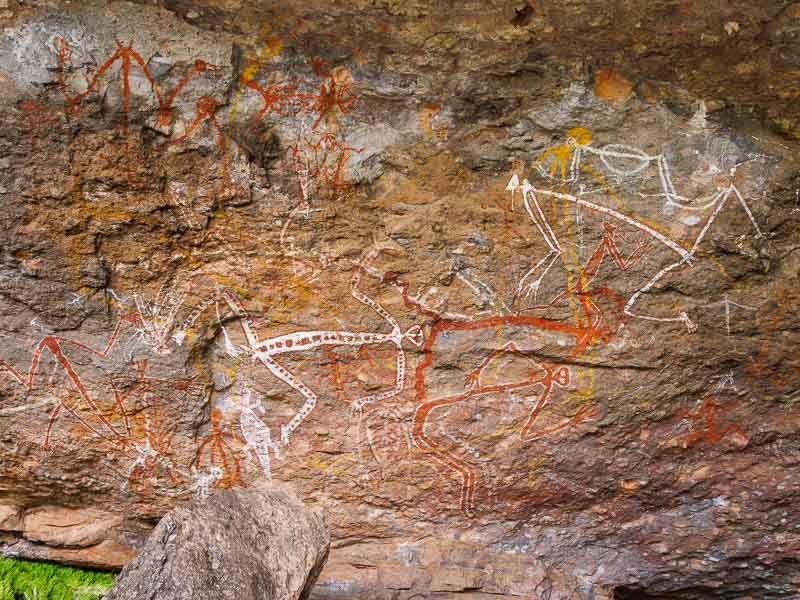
64,527
260,544
508,288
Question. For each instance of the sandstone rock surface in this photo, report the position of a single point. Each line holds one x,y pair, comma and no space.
259,544
508,288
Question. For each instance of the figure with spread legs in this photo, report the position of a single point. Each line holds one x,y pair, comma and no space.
218,452
548,377
255,433
599,325
267,351
55,346
607,247
565,166
705,425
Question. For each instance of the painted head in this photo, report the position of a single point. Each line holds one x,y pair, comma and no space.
216,419
206,106
579,136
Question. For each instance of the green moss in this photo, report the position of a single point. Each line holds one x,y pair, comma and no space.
27,580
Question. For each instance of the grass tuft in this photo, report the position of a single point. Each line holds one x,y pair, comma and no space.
29,580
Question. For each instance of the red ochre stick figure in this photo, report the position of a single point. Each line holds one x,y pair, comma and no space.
276,97
334,96
319,67
152,446
547,377
152,461
207,108
319,161
328,147
165,104
126,55
55,346
123,53
704,425
594,330
220,454
150,442
606,247
336,374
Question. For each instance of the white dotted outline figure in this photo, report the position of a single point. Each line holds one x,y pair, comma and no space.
255,433
203,481
268,350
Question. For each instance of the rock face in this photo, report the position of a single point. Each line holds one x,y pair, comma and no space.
238,544
509,289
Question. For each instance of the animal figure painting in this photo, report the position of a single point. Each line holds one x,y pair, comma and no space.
300,284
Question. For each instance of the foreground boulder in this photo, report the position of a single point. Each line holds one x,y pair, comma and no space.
260,543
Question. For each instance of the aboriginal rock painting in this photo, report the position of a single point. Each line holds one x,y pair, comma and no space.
412,375
317,150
